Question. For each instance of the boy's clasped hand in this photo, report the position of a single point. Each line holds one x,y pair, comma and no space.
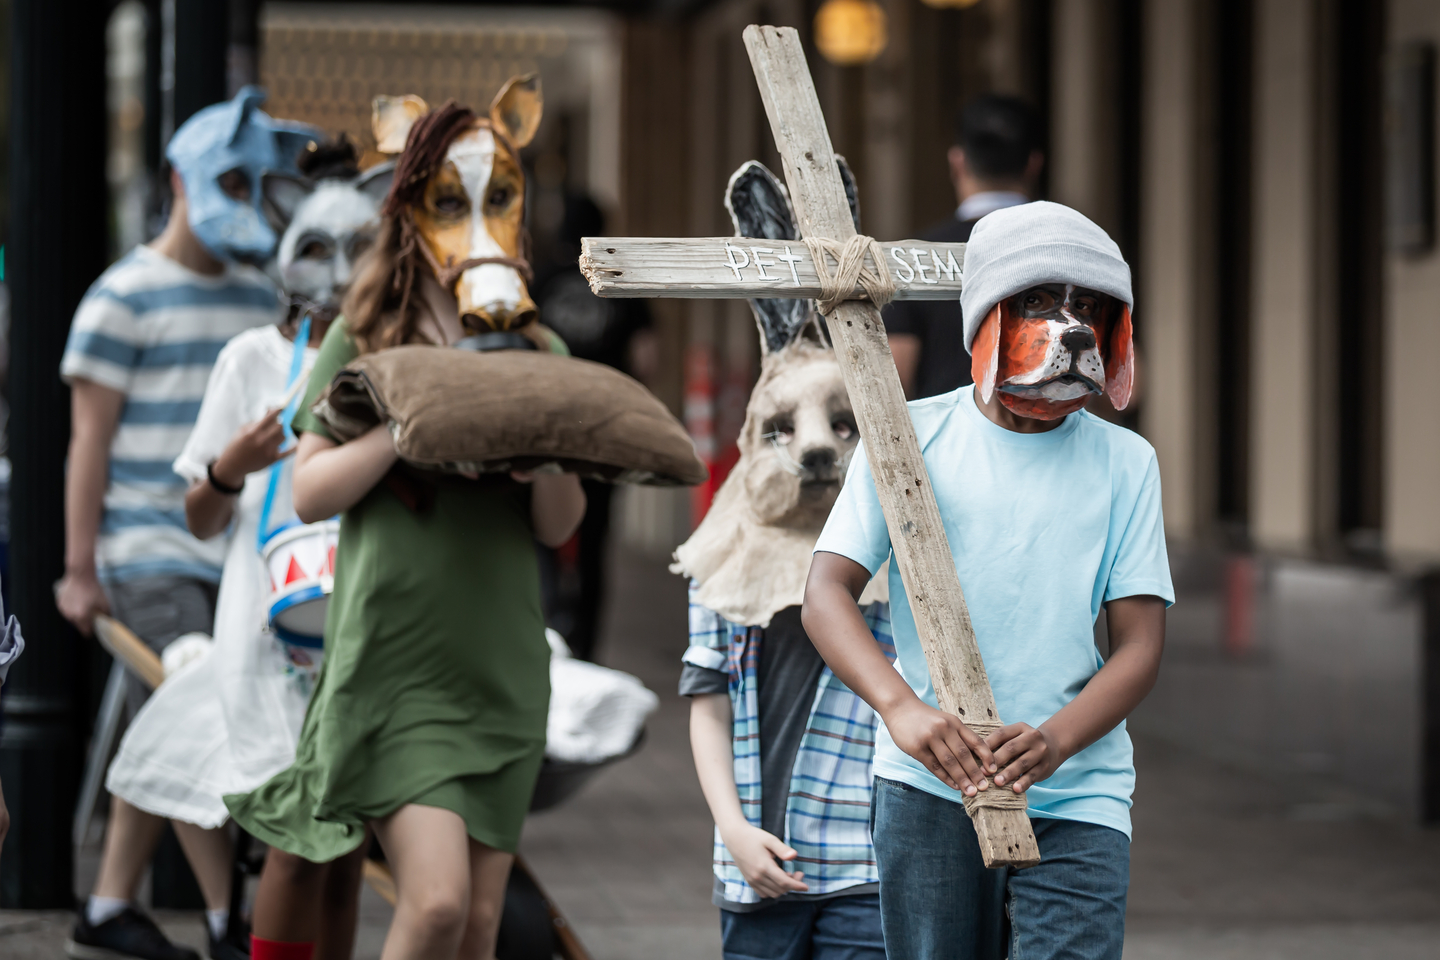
1017,755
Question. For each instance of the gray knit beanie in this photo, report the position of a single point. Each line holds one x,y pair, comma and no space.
1016,248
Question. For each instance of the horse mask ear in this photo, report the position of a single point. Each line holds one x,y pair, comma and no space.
985,353
1120,360
283,195
516,109
391,119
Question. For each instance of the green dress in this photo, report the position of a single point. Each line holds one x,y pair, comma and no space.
436,679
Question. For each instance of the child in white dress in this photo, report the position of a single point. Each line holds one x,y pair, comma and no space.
230,721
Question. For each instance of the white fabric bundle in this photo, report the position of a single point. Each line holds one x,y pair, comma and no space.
595,712
185,650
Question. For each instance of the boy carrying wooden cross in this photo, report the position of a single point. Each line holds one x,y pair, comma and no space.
1050,513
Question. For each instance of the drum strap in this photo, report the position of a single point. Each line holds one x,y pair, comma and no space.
297,364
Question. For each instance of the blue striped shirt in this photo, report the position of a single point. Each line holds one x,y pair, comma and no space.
827,813
151,329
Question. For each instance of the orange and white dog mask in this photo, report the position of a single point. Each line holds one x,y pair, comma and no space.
467,206
1053,346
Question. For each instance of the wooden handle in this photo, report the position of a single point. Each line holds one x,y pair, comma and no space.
129,649
381,880
565,936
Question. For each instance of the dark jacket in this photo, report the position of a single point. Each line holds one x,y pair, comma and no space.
944,363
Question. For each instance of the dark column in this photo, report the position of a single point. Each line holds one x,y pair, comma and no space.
202,29
1429,585
242,64
56,247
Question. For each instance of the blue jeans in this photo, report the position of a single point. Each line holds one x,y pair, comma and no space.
837,928
938,902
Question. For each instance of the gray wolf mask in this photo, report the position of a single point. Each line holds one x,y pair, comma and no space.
328,223
751,554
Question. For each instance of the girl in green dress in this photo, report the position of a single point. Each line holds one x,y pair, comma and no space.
428,722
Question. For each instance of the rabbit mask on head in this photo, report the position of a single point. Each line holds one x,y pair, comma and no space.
751,554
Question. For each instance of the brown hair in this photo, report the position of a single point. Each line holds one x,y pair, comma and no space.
379,308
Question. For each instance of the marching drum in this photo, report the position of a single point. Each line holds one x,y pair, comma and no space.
300,559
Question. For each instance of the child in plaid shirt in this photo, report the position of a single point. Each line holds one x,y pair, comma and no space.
783,750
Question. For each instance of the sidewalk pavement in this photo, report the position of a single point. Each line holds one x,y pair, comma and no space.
1224,866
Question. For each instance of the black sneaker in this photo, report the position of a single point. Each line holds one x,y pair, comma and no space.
129,935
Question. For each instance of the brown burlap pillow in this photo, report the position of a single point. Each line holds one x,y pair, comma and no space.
458,410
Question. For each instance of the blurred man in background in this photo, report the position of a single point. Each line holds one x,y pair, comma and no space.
995,163
139,355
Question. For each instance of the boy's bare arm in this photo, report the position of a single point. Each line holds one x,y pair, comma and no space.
1137,638
754,850
94,414
939,741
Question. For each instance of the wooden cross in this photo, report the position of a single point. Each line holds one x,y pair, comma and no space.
733,267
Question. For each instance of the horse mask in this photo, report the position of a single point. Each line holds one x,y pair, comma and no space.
460,193
221,154
329,220
1047,311
751,554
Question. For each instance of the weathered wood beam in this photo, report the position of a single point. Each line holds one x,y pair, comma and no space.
917,534
735,267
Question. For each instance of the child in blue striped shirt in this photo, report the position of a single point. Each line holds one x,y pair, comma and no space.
139,355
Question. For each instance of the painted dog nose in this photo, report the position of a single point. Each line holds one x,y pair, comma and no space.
1078,339
818,458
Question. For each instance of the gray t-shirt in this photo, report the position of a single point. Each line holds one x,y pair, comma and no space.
786,680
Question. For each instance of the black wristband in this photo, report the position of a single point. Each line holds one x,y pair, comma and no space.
224,488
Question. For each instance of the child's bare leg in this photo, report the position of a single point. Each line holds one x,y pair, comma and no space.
340,905
428,850
287,904
130,841
211,857
489,875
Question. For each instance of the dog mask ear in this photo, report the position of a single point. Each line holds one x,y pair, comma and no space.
985,353
760,207
1120,361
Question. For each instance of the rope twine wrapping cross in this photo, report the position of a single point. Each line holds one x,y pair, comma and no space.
996,797
850,269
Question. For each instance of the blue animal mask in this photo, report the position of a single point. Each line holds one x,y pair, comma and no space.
235,142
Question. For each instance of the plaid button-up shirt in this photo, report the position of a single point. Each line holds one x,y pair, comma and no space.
827,814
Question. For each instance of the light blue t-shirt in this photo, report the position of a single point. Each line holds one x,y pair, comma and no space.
1044,527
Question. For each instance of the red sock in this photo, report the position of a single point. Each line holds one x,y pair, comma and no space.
279,950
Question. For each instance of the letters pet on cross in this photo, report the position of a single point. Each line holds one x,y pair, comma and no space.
750,555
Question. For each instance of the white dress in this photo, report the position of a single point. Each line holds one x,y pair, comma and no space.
229,721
